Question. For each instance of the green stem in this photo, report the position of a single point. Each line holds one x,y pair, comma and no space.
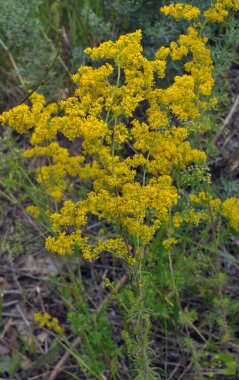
143,354
13,62
37,85
75,354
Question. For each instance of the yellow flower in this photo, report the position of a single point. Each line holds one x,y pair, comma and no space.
181,11
20,118
33,210
219,10
162,53
230,211
168,243
45,320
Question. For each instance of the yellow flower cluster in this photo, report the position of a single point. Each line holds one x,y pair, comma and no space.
219,10
22,118
186,97
230,210
129,163
168,243
53,176
191,216
46,320
181,10
33,211
73,215
207,209
130,210
203,208
139,72
201,66
168,150
135,204
19,118
206,199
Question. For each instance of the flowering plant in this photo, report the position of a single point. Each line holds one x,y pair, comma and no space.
129,157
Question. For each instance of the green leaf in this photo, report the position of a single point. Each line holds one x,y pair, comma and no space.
228,257
228,371
15,363
5,361
10,364
50,356
230,362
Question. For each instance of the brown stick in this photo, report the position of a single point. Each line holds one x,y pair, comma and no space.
60,365
228,119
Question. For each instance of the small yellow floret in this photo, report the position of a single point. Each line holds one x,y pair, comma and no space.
33,210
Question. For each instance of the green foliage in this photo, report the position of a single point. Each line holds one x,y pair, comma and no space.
29,42
230,362
23,48
100,351
17,187
49,357
10,364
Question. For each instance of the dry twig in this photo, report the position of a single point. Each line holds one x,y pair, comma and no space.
60,365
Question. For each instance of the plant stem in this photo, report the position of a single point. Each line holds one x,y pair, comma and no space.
143,355
13,62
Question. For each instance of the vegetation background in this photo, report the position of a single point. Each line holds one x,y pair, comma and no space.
193,294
